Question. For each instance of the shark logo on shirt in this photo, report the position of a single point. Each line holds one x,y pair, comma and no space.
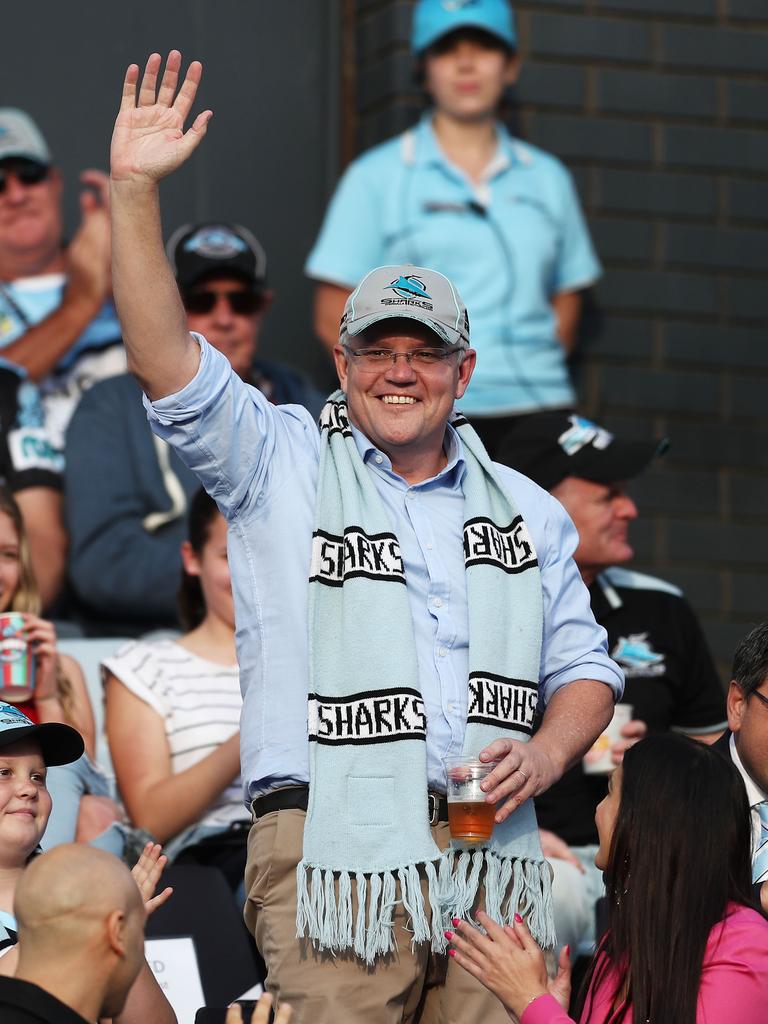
637,657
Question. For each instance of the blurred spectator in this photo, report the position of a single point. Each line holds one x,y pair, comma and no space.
127,492
653,634
746,743
457,193
81,939
81,790
32,471
56,316
173,714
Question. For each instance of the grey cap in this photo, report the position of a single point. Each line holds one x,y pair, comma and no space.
416,293
20,137
59,743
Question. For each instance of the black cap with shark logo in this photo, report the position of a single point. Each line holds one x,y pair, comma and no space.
416,293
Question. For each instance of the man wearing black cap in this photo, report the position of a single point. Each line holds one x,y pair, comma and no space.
653,633
126,492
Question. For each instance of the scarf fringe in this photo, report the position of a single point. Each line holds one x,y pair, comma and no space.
325,916
512,886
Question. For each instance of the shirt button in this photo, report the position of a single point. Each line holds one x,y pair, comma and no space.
429,547
410,495
449,708
437,602
441,653
379,459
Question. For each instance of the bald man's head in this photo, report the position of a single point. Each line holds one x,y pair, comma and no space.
80,905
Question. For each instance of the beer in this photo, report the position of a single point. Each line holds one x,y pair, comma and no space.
471,821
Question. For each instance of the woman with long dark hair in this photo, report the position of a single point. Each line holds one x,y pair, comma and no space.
684,943
173,714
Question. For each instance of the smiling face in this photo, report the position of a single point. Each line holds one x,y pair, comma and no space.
401,410
30,224
605,818
10,562
601,514
466,72
25,803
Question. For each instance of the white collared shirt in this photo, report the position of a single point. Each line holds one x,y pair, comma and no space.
755,795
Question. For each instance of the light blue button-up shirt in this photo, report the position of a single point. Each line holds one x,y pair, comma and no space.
260,462
509,243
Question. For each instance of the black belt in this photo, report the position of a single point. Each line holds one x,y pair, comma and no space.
296,798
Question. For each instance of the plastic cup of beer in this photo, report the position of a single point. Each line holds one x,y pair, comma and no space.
17,661
598,759
470,818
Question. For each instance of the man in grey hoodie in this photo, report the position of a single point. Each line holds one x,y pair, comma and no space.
126,491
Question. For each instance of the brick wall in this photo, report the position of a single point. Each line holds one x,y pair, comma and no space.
660,109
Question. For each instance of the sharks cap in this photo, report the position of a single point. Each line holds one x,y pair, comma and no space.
198,251
433,19
415,293
20,137
550,446
59,743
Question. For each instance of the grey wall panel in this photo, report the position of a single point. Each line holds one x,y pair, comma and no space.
270,158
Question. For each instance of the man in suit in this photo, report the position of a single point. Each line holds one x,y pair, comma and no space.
746,743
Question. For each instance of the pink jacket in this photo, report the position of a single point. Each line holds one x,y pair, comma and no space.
734,979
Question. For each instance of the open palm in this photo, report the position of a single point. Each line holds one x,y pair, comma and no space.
149,141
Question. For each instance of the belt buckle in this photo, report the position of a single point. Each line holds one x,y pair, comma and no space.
433,806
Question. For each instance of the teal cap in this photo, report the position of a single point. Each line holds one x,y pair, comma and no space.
435,18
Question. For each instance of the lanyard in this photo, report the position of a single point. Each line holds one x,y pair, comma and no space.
15,307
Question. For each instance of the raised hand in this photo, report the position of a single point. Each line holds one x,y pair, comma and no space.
149,141
146,874
508,962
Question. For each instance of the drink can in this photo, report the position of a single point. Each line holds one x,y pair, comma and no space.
17,660
598,759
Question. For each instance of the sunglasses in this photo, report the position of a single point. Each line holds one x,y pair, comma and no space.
240,303
28,172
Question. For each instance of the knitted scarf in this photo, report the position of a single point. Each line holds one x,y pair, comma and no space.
367,824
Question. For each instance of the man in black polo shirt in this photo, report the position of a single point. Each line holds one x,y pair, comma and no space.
653,634
81,939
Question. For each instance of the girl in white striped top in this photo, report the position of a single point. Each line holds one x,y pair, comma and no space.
173,713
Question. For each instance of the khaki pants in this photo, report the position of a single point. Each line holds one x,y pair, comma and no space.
409,985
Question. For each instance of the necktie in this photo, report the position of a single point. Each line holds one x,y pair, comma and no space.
760,859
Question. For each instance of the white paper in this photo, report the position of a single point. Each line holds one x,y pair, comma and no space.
174,965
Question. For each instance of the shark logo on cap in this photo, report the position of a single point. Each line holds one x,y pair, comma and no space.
409,287
215,243
10,715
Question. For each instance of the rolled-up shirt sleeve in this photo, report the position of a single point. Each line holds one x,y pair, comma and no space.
574,646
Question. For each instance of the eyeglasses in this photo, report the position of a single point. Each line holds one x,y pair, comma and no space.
28,172
373,360
760,697
240,303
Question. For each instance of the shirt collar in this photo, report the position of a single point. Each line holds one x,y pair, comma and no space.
451,474
608,592
755,795
428,149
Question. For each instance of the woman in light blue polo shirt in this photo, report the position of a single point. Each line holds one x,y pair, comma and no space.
498,216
